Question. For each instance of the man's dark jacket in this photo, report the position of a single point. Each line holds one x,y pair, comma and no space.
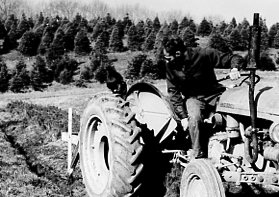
192,75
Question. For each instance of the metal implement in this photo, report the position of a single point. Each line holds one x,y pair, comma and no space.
251,151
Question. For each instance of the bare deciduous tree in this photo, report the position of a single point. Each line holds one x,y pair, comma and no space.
67,8
8,7
171,15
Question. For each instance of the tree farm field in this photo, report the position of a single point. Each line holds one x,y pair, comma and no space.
33,157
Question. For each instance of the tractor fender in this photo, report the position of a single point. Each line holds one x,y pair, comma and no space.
144,87
153,109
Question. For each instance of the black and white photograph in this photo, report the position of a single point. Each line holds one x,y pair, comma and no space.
139,98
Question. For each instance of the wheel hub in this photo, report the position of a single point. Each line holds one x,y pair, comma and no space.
98,154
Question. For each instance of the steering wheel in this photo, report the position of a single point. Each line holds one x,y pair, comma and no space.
258,78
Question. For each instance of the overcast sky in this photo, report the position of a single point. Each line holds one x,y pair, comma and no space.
268,9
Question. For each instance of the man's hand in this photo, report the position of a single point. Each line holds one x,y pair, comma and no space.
234,74
184,123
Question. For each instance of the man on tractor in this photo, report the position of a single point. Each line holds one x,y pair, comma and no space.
193,87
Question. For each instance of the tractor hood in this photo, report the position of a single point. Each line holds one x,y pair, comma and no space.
236,101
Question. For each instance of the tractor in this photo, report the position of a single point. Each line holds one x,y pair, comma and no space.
118,136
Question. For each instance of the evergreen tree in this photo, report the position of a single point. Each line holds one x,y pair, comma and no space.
102,43
41,67
58,43
83,24
235,40
98,29
39,74
4,76
245,38
101,71
160,62
264,35
149,70
120,28
23,26
3,32
233,23
70,34
133,39
161,38
53,24
20,79
30,23
13,37
192,26
174,27
156,24
39,30
65,69
95,60
100,64
86,72
216,41
64,23
15,84
134,67
266,62
147,27
40,20
36,80
188,38
46,21
115,42
108,19
11,20
127,23
56,49
228,30
183,24
45,42
221,28
140,32
77,19
65,77
5,45
204,28
150,41
29,44
276,40
48,29
245,24
82,43
272,33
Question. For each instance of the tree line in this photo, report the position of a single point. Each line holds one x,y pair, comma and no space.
51,39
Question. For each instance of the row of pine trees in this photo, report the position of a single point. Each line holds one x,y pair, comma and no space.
52,38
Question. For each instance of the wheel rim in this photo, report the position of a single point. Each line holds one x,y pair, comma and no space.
97,153
196,187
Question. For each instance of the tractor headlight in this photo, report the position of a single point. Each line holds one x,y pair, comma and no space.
274,132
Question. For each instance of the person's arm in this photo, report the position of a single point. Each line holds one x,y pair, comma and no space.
215,60
173,74
177,101
236,63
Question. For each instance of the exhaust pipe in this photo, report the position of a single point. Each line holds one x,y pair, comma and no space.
251,151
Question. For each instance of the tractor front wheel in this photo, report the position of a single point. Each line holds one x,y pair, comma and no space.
201,179
110,149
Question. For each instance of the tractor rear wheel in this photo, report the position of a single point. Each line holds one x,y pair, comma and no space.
110,148
201,179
